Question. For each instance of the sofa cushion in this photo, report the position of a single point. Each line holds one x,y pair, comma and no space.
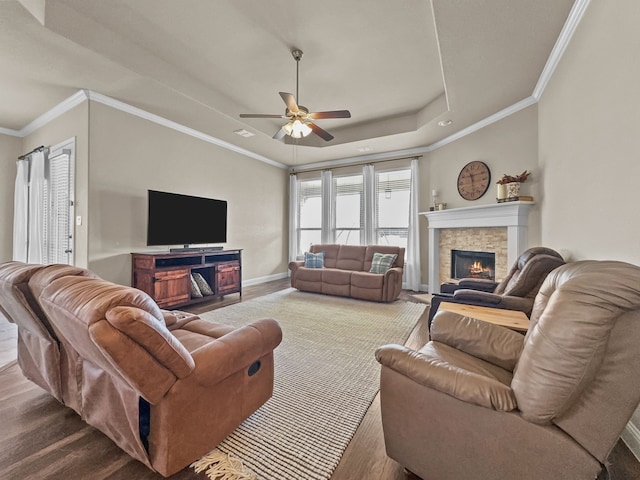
336,276
367,280
382,262
195,290
330,253
314,260
351,257
203,286
371,249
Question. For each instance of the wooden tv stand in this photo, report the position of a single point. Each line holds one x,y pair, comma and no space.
165,276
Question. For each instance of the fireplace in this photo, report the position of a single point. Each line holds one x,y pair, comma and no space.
470,264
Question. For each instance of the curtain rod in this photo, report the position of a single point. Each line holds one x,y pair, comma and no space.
37,149
355,164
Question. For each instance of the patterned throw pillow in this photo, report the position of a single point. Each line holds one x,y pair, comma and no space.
382,262
204,287
195,291
314,260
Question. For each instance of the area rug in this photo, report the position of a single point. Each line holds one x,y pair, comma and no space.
422,297
326,377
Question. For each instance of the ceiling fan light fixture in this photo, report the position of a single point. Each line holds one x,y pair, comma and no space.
297,129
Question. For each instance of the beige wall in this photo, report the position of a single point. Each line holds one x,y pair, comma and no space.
589,124
10,149
589,119
72,124
508,146
129,155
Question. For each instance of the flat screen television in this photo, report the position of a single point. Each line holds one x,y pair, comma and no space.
175,219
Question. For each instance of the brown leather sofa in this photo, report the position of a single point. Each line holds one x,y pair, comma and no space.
346,273
484,402
516,292
166,387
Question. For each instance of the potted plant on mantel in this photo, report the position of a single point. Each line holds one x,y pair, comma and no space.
509,185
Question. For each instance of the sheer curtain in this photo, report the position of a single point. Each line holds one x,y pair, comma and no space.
413,240
327,207
369,205
293,218
21,212
37,185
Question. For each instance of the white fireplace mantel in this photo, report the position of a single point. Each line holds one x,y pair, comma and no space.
512,215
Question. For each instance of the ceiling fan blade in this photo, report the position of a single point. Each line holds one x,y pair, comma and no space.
320,132
290,100
261,115
330,114
279,134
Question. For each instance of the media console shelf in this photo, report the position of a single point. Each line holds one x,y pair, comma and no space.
166,276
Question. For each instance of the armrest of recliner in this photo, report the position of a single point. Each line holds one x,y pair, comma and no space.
481,284
492,343
235,351
477,297
446,378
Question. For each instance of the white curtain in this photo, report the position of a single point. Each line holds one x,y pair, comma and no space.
293,218
21,212
369,178
412,267
36,246
328,233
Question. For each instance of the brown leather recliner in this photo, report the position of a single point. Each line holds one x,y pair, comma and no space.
515,292
480,401
39,355
166,388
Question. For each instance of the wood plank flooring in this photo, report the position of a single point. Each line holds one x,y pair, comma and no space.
41,439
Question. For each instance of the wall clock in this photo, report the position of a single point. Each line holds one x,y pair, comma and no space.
474,180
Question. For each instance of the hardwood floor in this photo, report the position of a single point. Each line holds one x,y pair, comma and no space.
41,439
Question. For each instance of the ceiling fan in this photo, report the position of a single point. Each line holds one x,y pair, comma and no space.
299,124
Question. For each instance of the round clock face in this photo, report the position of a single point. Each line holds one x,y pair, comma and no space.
474,180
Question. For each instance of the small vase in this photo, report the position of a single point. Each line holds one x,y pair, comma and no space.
502,191
513,189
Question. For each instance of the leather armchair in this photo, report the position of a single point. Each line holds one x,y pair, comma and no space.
481,401
166,387
515,292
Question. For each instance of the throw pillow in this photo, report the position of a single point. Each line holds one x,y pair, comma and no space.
314,260
382,262
204,287
195,291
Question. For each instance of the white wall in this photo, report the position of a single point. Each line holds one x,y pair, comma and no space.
589,124
10,149
129,155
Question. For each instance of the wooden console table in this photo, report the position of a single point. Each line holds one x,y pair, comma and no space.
512,319
166,276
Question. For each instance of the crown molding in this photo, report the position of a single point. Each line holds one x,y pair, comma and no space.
63,107
138,112
505,112
573,19
11,133
569,28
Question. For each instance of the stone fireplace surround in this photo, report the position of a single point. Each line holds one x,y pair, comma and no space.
512,215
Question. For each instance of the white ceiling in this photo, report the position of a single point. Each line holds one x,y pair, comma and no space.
398,66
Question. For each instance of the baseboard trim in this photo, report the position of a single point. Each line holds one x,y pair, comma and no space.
631,437
268,278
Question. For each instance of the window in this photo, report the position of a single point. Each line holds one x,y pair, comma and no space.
58,209
43,227
393,189
349,209
309,214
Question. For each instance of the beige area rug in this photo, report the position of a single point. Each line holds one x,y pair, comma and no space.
326,378
423,297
